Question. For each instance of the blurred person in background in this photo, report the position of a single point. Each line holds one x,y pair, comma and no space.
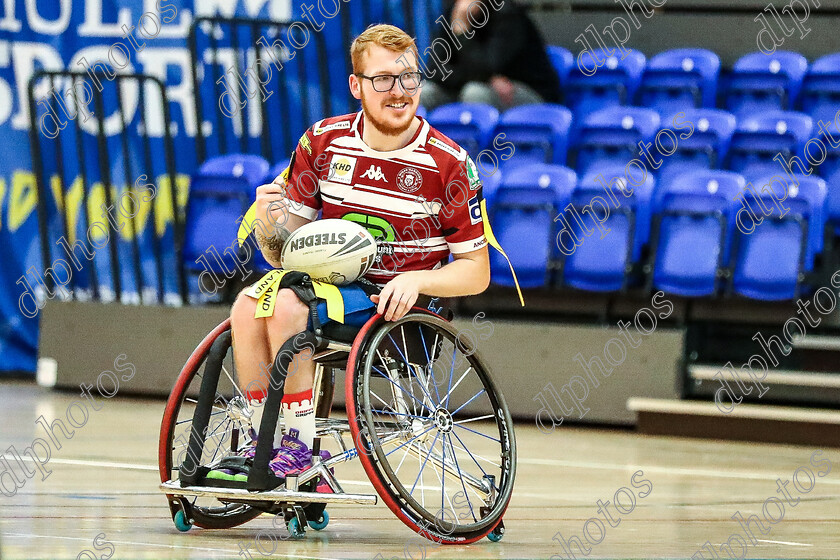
499,60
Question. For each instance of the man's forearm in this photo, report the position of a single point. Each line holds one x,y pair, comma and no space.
462,277
272,246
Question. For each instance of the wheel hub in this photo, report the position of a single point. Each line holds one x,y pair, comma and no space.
443,420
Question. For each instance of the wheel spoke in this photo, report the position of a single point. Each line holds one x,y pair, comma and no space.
464,486
454,412
485,417
428,361
401,388
451,373
456,386
423,466
467,451
408,364
479,433
409,441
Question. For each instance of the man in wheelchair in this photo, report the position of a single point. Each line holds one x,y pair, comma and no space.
389,170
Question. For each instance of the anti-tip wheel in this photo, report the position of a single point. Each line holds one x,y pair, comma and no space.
496,534
295,530
321,523
181,522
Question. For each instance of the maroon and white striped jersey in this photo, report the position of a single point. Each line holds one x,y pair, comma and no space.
422,202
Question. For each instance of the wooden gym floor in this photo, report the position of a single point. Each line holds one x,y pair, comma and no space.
104,481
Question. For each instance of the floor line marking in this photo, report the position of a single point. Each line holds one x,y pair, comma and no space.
662,470
783,542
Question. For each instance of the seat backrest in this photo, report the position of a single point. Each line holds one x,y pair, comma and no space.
700,191
680,78
250,168
709,133
469,124
536,185
611,183
760,82
759,138
614,82
807,199
539,133
562,59
611,135
820,94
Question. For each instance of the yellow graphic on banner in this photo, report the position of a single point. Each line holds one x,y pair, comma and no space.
491,239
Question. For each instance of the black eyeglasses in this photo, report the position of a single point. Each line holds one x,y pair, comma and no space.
409,81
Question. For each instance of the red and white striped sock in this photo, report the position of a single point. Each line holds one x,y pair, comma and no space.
299,414
256,401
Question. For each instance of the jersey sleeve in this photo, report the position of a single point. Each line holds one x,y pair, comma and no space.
460,216
302,181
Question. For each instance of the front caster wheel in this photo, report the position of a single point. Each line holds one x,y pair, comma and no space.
181,522
321,523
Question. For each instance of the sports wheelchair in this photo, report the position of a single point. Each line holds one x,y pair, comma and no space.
424,417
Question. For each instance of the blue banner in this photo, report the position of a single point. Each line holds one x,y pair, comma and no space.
145,37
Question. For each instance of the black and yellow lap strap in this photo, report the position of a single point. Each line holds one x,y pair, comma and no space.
265,291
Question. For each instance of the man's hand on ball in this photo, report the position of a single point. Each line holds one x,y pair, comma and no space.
398,296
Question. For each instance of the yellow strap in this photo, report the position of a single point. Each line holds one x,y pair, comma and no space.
247,225
491,239
266,293
335,302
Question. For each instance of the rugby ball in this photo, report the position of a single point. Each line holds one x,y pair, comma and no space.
330,250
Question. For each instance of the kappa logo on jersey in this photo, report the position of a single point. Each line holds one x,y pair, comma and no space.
341,169
374,174
334,126
475,210
409,179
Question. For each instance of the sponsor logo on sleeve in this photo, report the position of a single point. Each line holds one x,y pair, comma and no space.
441,145
334,126
472,175
305,143
475,210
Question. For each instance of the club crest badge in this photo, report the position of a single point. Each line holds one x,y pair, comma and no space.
409,180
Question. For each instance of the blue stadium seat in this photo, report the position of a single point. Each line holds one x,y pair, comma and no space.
523,213
833,204
490,185
614,83
538,132
421,111
220,192
680,79
820,96
693,224
469,124
765,82
612,135
759,138
770,260
706,148
602,261
562,60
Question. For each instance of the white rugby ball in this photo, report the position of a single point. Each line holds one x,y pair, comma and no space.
330,250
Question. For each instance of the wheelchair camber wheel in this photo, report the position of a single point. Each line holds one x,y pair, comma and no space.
432,431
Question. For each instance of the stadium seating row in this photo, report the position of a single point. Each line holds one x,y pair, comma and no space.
675,80
769,143
696,235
